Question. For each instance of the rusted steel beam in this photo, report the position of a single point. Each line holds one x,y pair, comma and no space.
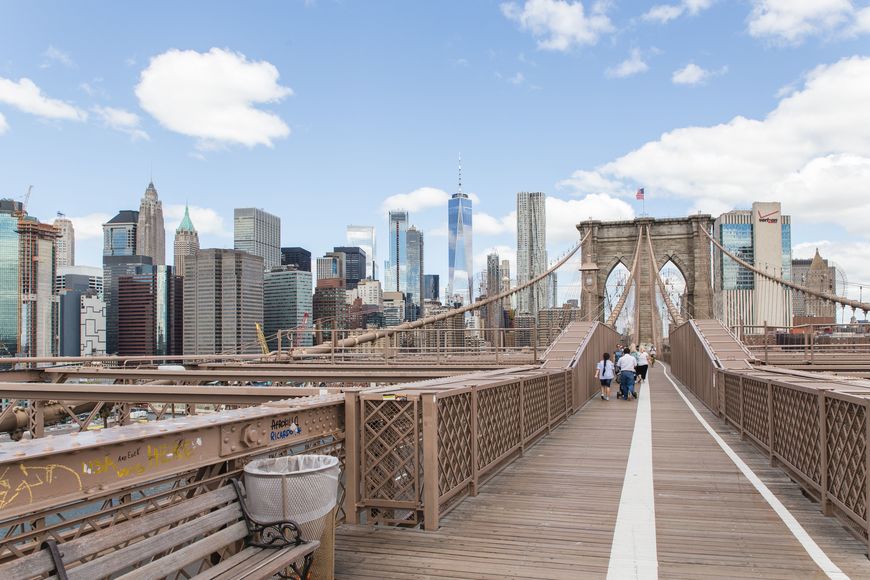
238,375
71,468
155,393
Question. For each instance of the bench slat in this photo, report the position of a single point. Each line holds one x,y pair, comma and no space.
262,564
90,544
189,554
120,559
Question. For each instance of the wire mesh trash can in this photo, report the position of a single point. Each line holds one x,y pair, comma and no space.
302,488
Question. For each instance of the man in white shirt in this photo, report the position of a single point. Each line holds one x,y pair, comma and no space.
627,368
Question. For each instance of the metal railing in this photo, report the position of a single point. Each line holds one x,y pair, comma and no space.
814,426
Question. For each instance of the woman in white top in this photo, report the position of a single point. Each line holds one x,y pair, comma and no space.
642,365
604,373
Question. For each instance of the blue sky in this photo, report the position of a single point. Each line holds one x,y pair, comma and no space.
321,111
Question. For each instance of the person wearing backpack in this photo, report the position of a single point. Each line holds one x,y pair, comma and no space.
604,373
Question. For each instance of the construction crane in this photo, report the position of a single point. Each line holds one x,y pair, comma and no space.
261,338
24,202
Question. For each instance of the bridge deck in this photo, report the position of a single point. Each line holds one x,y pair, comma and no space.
553,513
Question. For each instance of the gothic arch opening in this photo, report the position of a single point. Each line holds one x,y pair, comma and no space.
675,287
614,288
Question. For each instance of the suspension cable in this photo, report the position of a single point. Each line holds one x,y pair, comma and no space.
614,314
854,304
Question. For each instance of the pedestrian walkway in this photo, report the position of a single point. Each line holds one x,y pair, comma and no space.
553,513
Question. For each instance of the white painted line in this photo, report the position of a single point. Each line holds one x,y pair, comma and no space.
813,549
633,553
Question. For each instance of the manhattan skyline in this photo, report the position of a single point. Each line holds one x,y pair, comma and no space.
356,109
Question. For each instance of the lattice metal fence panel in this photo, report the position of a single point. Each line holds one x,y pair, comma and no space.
755,410
454,441
534,405
796,424
557,396
732,399
846,447
391,451
498,422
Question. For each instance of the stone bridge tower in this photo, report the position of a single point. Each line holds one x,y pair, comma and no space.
680,240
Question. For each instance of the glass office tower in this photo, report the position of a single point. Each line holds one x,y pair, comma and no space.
364,237
460,254
396,276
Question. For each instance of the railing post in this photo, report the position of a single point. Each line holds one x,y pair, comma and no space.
765,342
522,417
823,454
771,424
740,408
867,469
474,447
351,457
549,407
430,462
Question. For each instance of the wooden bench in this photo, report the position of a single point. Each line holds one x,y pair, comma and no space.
180,537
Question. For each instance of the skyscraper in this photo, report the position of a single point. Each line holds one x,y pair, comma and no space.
286,302
364,237
186,242
39,306
414,287
432,287
505,271
74,276
762,237
331,266
223,302
355,260
259,233
150,232
150,312
459,240
330,305
298,257
531,250
493,314
9,282
66,243
119,259
396,275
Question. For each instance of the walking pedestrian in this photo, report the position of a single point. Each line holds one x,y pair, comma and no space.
642,365
652,355
604,373
627,368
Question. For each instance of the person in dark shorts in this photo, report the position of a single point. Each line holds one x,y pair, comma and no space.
642,365
604,373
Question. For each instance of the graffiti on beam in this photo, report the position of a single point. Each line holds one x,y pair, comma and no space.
24,481
142,459
284,428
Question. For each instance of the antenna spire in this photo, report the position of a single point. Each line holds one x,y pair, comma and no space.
460,173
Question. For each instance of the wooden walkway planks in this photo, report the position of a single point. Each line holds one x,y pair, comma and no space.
547,515
551,514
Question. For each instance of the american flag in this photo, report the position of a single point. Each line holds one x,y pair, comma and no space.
639,194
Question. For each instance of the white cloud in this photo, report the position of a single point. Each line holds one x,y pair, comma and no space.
633,65
487,225
517,79
121,120
691,74
667,12
55,55
862,21
504,252
563,215
4,126
792,21
420,199
206,220
560,24
90,226
26,96
812,152
213,96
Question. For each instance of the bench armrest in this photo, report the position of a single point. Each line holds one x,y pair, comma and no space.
277,534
